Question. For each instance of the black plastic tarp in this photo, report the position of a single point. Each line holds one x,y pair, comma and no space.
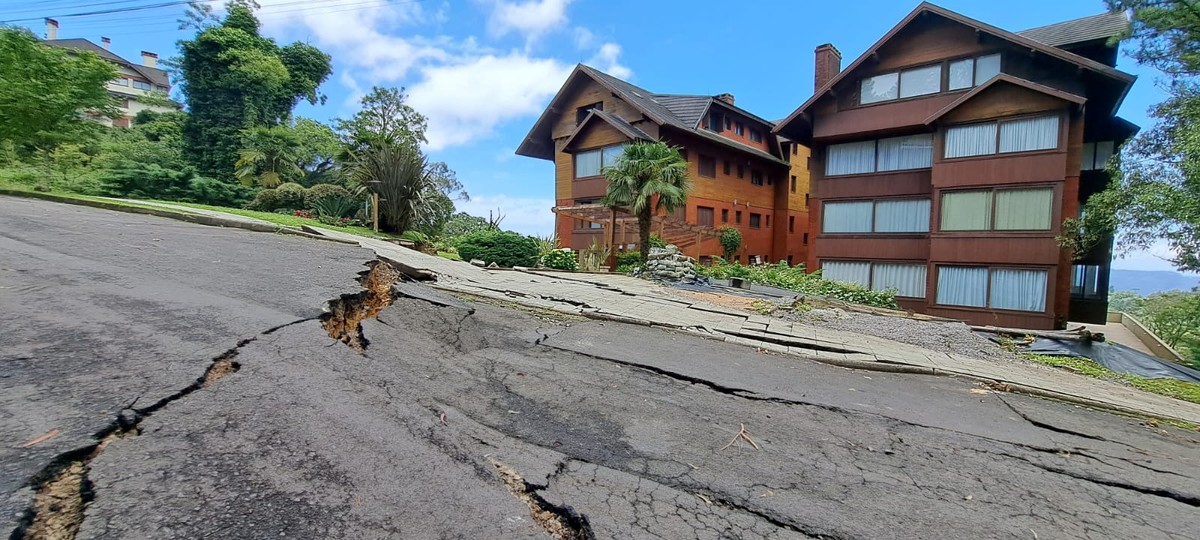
1116,357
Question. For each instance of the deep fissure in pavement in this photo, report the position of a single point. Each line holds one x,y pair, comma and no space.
63,489
345,314
561,522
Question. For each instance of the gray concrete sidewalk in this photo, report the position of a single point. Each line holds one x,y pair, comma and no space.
623,298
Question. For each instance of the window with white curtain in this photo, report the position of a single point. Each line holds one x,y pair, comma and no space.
850,158
921,81
611,154
847,272
986,67
966,210
907,279
962,74
1021,290
962,286
902,216
1096,155
971,140
891,154
909,152
1027,134
587,163
1024,209
884,87
847,217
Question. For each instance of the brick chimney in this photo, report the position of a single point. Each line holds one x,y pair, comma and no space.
828,65
727,98
106,42
51,29
149,59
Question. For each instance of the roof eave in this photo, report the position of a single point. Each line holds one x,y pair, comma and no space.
1009,79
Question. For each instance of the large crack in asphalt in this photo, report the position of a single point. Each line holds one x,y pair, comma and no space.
62,489
560,522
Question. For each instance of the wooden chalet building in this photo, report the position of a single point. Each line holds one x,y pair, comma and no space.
946,157
742,175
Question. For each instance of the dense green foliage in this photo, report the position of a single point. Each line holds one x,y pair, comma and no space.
398,174
503,248
795,278
384,119
148,181
1157,195
1173,315
649,176
46,88
561,259
731,241
464,223
269,157
235,79
321,191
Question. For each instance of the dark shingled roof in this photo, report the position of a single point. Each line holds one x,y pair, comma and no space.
154,75
679,111
1082,30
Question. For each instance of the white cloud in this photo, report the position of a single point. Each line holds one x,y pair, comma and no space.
523,215
606,60
531,18
584,38
468,100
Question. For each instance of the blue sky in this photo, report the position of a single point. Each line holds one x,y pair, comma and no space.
482,70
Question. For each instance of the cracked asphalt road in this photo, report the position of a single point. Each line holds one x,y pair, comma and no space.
616,431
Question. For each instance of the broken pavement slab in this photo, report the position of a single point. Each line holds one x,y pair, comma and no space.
624,298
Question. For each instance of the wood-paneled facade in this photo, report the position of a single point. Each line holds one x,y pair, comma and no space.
1034,81
742,175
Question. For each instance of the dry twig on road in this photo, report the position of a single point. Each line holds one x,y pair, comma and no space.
742,434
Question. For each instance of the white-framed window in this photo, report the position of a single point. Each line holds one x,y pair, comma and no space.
1097,154
880,216
1023,209
971,72
592,162
1017,289
907,279
883,155
1004,136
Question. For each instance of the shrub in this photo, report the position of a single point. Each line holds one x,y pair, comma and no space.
502,248
795,278
657,241
730,239
630,259
321,191
337,206
561,259
288,196
219,193
147,182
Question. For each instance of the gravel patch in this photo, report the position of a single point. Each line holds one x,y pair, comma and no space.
950,337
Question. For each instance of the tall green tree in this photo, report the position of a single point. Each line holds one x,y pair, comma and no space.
384,117
319,148
648,177
235,79
46,90
1156,195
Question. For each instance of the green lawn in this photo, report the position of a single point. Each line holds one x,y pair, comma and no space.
286,220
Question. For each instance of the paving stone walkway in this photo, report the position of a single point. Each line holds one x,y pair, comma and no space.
623,298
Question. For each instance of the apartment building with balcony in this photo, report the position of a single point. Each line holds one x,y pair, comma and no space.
137,87
946,157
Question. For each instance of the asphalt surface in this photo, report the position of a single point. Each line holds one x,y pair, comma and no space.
464,419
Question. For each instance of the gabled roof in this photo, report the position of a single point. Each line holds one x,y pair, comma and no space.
678,111
629,130
1085,29
1001,79
154,75
926,7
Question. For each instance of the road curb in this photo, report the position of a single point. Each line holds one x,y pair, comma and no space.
198,219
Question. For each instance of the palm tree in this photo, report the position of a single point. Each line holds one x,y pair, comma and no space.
399,174
270,156
649,176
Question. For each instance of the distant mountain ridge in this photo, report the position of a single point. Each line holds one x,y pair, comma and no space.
1146,282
